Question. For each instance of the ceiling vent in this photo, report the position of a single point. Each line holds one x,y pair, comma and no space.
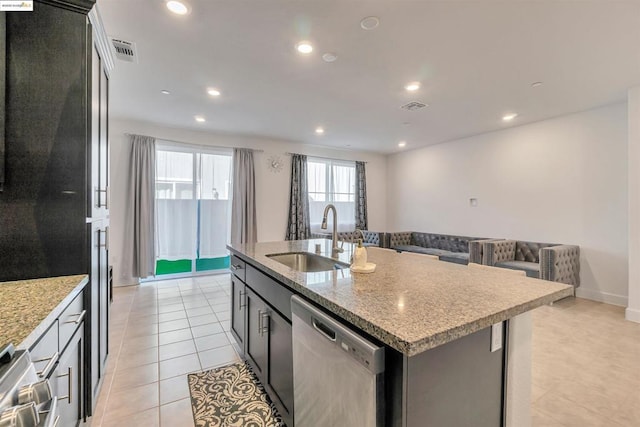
124,50
413,106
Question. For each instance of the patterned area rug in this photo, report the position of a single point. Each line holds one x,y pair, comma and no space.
231,396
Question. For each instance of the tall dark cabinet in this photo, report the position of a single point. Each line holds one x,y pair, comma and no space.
54,214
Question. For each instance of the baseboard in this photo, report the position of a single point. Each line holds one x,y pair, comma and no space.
599,296
632,315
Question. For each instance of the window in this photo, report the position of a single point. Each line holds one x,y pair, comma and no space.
193,191
331,181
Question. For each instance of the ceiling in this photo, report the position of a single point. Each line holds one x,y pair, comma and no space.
476,61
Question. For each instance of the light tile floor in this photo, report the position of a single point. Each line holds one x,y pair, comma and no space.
586,357
160,331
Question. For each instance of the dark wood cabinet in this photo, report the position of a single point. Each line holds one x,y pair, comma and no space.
69,381
264,334
257,334
238,307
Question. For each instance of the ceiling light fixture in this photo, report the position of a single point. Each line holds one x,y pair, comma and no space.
509,117
200,119
165,92
319,130
304,47
370,23
413,86
177,7
536,84
213,91
402,144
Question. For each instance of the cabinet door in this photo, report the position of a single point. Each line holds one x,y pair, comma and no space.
94,325
280,366
103,151
103,300
256,336
68,377
238,311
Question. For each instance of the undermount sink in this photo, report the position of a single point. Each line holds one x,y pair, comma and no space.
307,262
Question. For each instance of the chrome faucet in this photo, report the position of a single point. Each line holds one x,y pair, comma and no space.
334,234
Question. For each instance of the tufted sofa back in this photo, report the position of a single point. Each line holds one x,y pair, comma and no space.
442,241
530,251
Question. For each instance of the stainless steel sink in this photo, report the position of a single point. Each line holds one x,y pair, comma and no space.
307,262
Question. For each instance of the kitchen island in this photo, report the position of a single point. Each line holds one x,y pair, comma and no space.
434,319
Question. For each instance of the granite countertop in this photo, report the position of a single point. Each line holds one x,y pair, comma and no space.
411,302
28,307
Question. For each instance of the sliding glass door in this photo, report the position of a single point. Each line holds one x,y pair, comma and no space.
193,207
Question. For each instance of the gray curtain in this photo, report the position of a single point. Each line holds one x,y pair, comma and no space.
139,255
298,224
243,205
361,196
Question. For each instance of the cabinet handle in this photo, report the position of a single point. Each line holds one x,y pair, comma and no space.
69,376
242,302
107,196
236,267
52,361
106,238
99,197
264,322
79,319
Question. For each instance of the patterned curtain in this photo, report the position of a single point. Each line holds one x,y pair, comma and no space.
244,228
361,196
298,224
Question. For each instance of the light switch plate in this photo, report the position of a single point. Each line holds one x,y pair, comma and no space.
496,337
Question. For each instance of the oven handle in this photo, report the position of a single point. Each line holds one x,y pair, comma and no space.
44,373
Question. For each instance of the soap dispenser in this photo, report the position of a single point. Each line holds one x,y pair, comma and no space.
360,255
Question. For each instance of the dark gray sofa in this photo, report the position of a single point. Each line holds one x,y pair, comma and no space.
446,247
371,238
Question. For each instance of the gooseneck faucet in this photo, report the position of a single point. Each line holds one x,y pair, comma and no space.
334,234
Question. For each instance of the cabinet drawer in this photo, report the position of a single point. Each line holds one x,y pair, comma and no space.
70,319
45,353
238,267
278,295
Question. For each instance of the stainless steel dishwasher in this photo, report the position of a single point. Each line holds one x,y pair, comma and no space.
338,376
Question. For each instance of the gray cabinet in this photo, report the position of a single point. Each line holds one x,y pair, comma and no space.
257,334
280,365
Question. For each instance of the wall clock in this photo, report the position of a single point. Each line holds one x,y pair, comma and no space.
275,164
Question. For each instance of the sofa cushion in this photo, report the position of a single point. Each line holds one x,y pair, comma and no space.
531,268
421,250
530,251
457,257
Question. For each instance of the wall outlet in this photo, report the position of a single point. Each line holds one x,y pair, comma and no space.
473,202
496,337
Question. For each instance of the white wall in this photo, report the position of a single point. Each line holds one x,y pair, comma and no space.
562,180
633,308
272,188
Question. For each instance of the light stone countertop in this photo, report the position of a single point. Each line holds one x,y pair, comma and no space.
29,307
411,303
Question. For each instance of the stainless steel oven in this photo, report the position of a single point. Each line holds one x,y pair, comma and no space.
25,399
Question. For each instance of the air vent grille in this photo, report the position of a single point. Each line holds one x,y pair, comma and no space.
124,50
413,106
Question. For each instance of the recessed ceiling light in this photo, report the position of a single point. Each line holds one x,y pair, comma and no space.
200,119
304,47
402,144
536,84
165,92
319,130
370,23
413,86
329,57
509,117
178,7
213,91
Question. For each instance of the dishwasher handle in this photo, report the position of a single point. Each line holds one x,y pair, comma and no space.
325,330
